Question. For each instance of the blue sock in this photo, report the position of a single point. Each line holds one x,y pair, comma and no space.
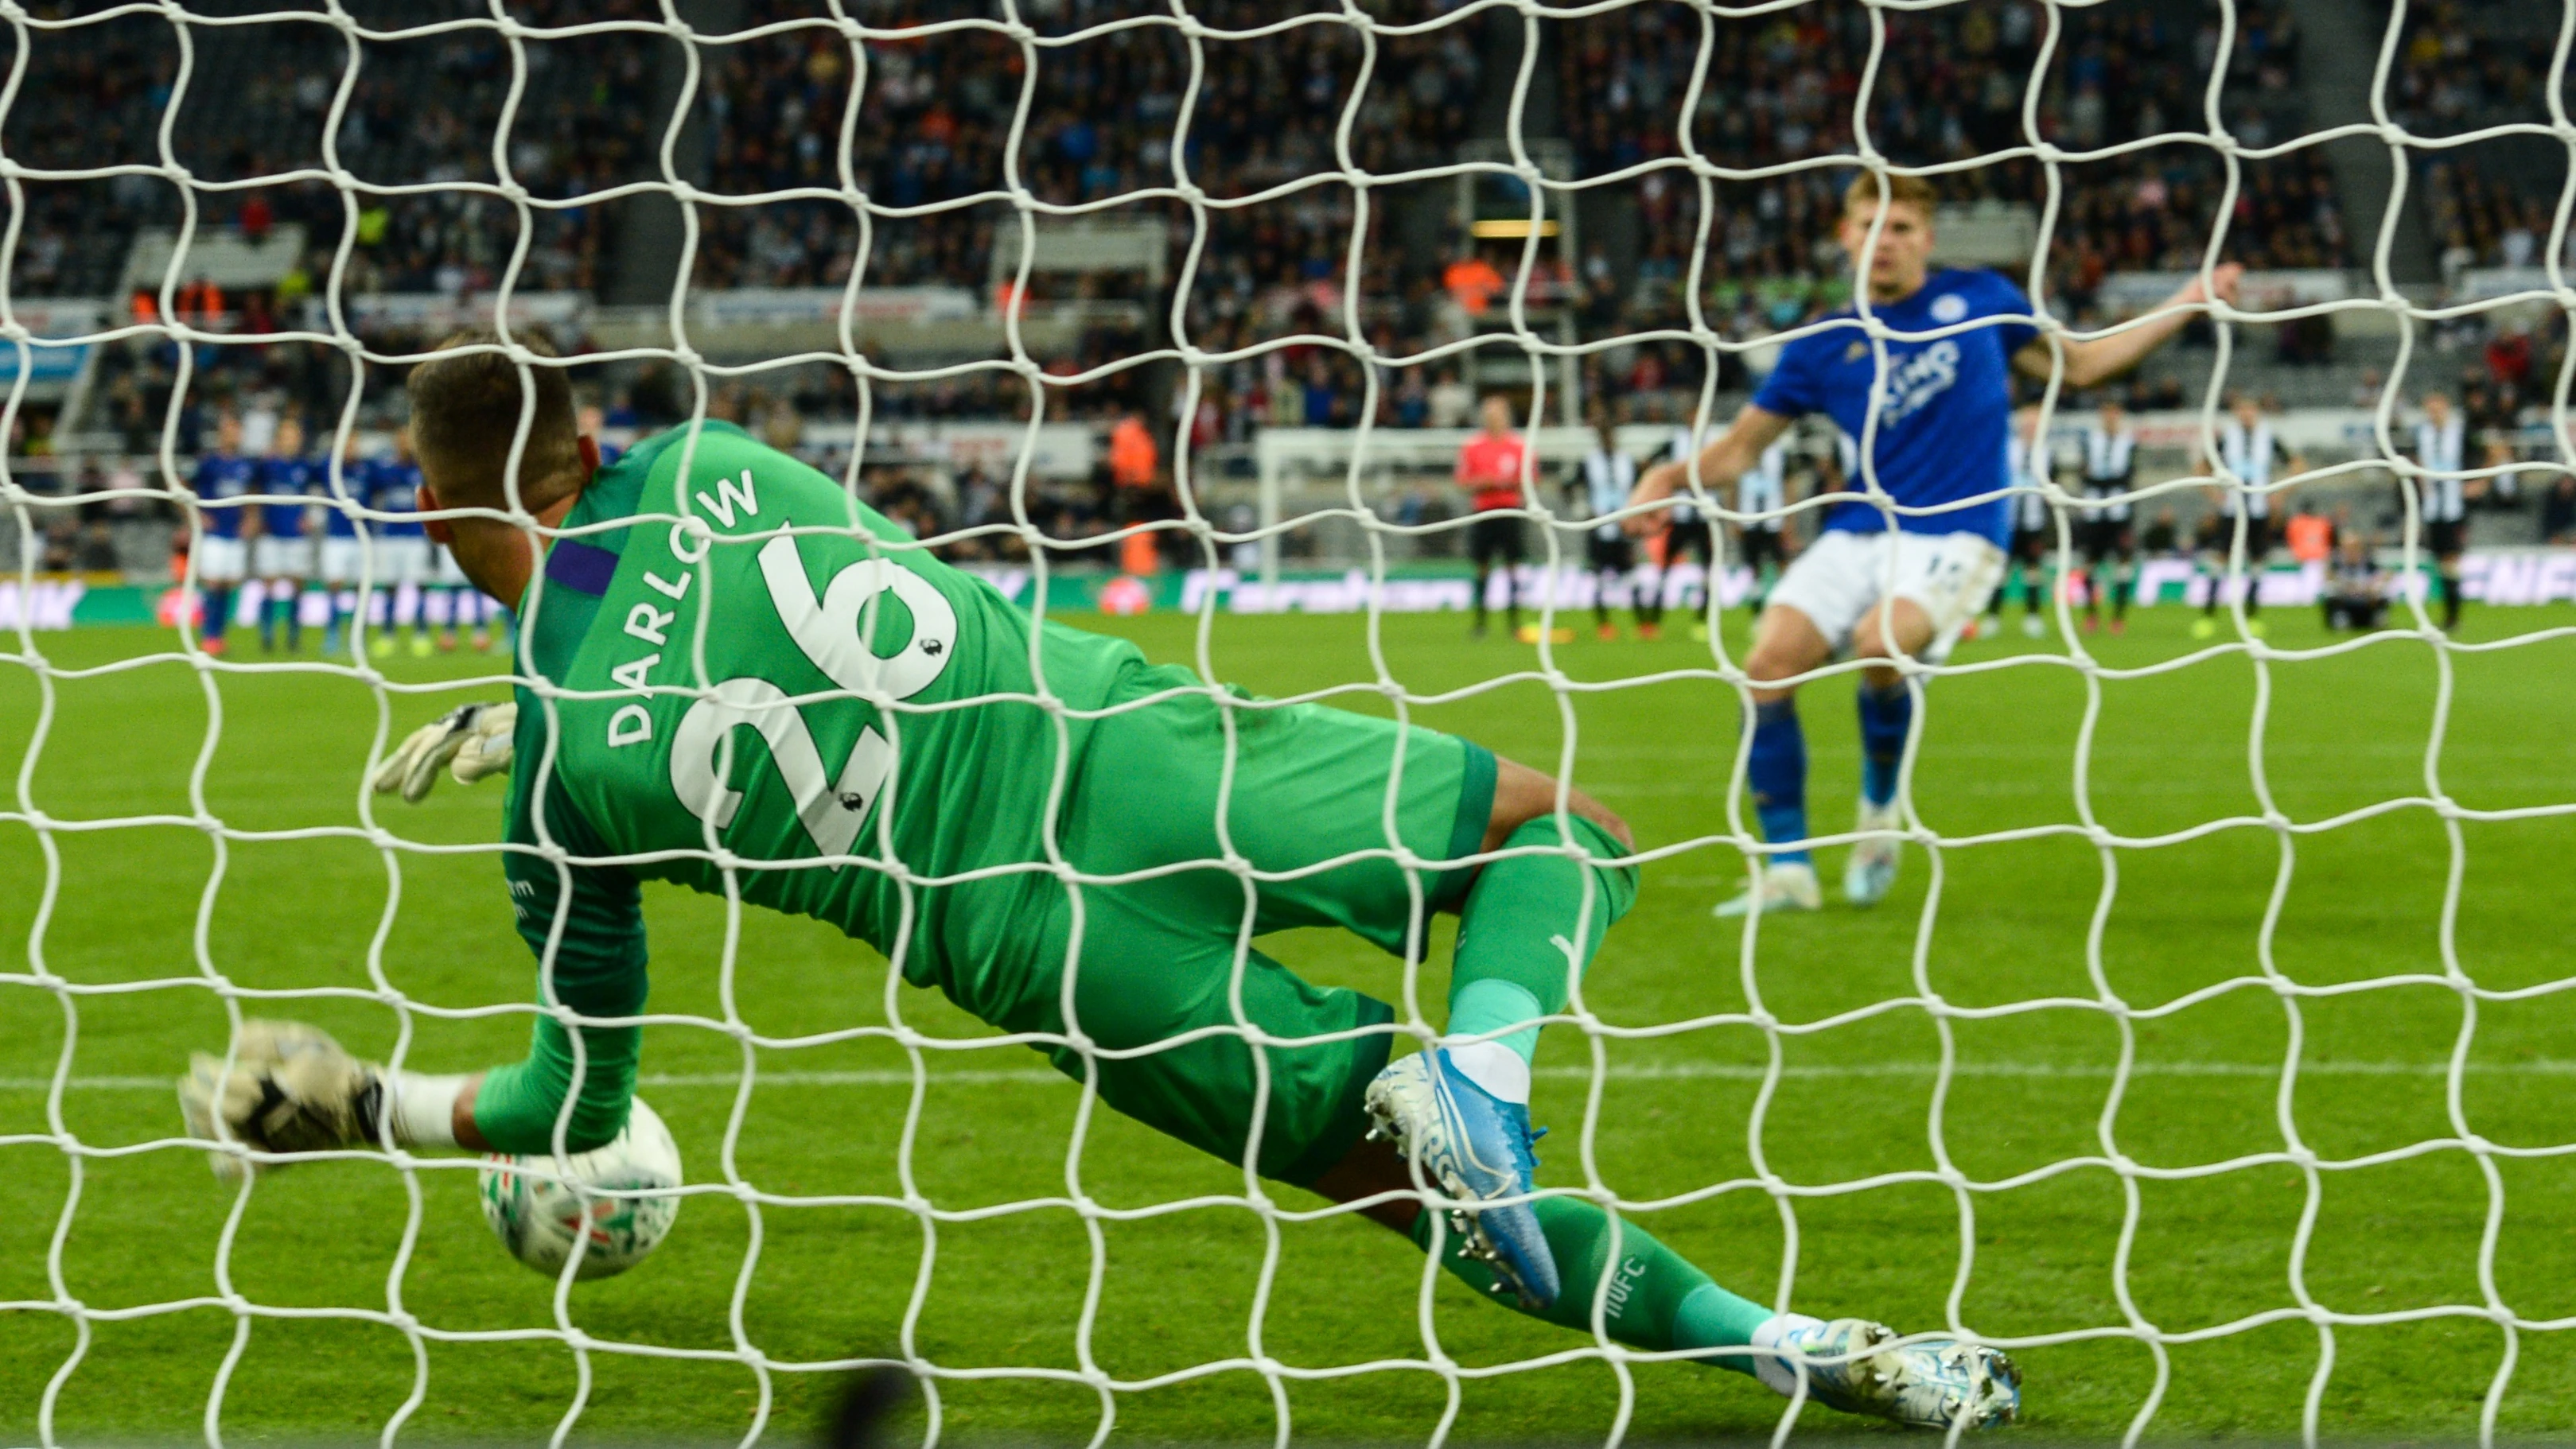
295,620
267,622
1885,715
218,611
1777,772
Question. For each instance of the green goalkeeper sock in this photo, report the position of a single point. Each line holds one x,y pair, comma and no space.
1657,1300
1517,952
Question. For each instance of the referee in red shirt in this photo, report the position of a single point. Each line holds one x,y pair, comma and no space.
1489,468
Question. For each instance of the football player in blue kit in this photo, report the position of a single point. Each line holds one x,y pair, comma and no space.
1903,566
402,549
345,551
282,554
222,552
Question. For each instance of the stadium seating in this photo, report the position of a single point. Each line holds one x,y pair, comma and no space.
2466,65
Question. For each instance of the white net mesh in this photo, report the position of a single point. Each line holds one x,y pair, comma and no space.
544,233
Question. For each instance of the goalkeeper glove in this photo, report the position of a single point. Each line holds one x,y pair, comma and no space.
472,740
294,1089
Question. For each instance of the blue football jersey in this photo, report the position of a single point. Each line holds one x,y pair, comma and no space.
221,475
297,478
393,486
1944,412
349,486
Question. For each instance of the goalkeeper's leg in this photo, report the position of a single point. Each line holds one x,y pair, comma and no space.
1530,923
1650,1297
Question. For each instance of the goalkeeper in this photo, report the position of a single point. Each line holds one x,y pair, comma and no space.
888,745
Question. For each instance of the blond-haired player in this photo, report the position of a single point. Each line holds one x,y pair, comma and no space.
1901,568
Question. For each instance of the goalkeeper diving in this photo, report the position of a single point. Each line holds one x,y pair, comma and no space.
883,746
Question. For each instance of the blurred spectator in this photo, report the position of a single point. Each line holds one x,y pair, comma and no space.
2163,536
1133,458
2310,534
2558,510
1452,402
1473,283
2356,591
2466,65
2508,357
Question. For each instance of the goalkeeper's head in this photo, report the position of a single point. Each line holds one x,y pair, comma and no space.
467,403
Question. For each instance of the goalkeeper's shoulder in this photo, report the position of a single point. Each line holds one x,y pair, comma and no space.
732,477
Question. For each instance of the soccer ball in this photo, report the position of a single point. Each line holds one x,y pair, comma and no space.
539,1219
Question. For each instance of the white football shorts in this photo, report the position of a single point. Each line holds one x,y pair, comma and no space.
219,560
402,559
341,556
274,556
1843,575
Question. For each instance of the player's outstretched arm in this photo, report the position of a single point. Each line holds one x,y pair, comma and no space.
292,1088
471,741
1720,464
2098,359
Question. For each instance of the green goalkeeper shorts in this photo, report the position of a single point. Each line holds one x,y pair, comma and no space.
1158,962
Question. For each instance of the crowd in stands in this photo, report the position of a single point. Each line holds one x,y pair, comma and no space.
257,103
1949,87
937,113
2467,65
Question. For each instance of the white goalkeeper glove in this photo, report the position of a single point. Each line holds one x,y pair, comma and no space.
471,740
294,1089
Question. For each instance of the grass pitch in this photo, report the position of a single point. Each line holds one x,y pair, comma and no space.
2171,754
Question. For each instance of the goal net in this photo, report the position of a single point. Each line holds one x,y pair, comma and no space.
2207,1057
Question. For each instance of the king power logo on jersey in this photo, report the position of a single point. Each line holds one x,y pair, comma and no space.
831,629
1919,379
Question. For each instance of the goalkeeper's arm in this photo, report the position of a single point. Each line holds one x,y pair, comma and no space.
291,1088
294,1090
598,971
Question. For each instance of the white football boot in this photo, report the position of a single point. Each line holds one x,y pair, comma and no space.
1933,1384
1870,872
1788,885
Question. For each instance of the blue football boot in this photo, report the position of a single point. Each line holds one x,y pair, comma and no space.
1476,1148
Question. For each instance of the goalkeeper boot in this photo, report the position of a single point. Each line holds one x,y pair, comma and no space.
1937,1383
1788,885
1475,1147
1870,873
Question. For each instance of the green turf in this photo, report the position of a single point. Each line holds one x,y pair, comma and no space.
2170,752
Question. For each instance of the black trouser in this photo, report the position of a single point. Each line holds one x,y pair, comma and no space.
1497,536
1760,546
2446,541
2108,540
1614,558
2258,547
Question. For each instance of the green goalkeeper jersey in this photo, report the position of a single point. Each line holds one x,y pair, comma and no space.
810,708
